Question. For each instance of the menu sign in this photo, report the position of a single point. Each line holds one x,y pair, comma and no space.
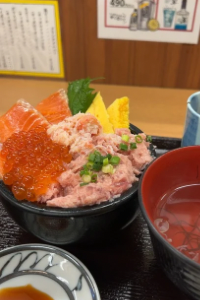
150,20
30,39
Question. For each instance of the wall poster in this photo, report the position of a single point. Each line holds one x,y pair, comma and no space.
175,21
30,39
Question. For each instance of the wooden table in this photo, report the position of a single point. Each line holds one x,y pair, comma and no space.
157,111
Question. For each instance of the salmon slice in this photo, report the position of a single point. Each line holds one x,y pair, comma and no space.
20,117
55,108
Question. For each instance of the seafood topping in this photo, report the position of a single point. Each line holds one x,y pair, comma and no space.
32,163
71,153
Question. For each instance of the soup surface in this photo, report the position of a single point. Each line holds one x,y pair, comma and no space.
177,218
27,292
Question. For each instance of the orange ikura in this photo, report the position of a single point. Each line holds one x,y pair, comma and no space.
32,162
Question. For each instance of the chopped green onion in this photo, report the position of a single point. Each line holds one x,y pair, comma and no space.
108,169
109,156
83,183
97,152
96,166
123,147
84,172
133,146
105,161
102,158
125,137
138,139
91,157
98,159
86,178
149,138
115,160
89,165
94,178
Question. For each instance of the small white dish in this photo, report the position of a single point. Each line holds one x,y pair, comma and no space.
49,269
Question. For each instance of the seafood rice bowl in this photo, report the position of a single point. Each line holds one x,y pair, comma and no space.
100,168
71,173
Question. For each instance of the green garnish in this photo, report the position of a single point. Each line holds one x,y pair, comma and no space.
97,166
148,138
84,172
115,160
108,156
89,165
133,146
98,158
125,137
123,147
94,178
91,157
83,183
138,139
105,161
85,168
97,162
86,178
108,169
80,95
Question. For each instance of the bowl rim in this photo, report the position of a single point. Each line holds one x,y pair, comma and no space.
95,209
189,103
152,228
59,251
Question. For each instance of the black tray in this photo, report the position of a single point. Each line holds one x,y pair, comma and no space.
125,268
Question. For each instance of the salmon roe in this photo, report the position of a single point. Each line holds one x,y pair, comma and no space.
32,163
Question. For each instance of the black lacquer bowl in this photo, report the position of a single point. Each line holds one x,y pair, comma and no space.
62,226
174,169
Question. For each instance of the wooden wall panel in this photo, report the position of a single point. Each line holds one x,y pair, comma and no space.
170,72
122,62
189,66
94,48
117,65
149,63
73,36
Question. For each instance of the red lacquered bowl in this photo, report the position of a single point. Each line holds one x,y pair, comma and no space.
174,168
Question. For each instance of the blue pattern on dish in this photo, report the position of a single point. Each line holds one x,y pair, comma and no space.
49,269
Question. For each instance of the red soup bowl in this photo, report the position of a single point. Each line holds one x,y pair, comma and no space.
169,198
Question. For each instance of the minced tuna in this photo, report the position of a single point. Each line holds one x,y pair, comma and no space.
83,134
